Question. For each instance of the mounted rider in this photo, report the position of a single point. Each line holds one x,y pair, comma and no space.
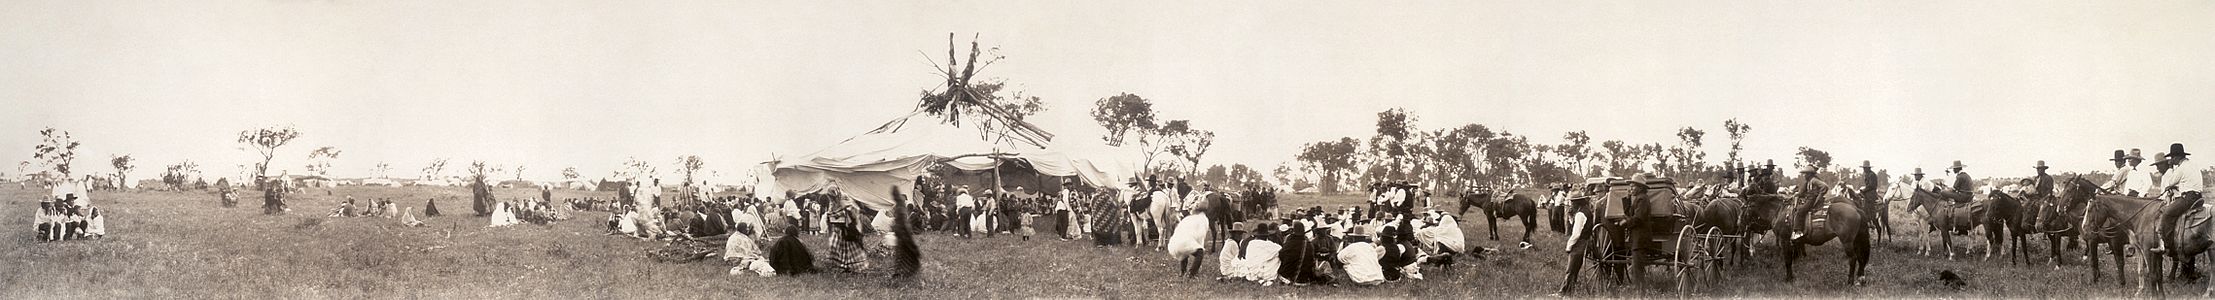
2125,166
1870,184
1964,188
2041,185
1809,196
2180,186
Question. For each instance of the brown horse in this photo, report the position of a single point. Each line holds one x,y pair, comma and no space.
2122,221
2012,218
1516,206
1950,219
1844,223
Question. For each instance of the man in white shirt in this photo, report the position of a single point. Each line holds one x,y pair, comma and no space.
965,207
2125,166
2180,186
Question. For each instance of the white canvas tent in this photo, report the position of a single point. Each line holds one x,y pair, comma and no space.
869,166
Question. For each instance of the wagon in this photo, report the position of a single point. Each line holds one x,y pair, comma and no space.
1624,226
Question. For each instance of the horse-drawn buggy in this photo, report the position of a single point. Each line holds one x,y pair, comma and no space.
1623,226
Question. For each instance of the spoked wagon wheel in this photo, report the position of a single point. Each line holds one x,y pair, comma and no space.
1719,248
1688,257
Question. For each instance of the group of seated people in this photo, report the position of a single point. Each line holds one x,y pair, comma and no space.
69,219
377,208
533,211
1311,245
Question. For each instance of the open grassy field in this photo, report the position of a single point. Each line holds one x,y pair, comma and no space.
182,245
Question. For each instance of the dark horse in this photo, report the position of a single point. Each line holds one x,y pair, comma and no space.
1844,223
2013,218
1516,206
2060,217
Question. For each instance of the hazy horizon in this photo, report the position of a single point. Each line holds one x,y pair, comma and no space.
1996,84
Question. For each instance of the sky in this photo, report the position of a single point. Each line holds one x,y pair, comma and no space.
591,84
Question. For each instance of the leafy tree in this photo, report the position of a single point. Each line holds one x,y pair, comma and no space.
176,175
1394,126
266,141
1187,143
436,169
1332,161
1737,133
123,169
319,161
1575,148
1245,176
633,169
570,173
962,94
383,170
1818,158
1217,174
1130,119
56,152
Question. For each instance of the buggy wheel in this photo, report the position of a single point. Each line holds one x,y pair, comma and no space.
1687,256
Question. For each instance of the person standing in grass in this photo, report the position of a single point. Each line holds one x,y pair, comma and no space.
1062,212
965,207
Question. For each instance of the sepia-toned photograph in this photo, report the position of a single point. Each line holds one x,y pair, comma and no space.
988,149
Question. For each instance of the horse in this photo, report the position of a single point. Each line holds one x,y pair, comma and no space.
2122,221
2110,220
2010,219
1844,223
1949,219
1516,206
2058,217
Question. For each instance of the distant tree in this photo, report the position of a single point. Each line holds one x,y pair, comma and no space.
1129,119
1690,159
570,173
436,169
1614,156
178,175
319,160
1187,143
1575,148
519,172
1332,161
633,169
56,152
383,170
266,141
1246,177
1389,146
689,166
1217,174
1737,133
1818,158
123,169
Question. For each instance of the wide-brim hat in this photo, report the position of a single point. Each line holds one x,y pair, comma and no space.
1958,165
1771,163
2177,150
2041,165
1238,227
2119,156
1918,171
1865,164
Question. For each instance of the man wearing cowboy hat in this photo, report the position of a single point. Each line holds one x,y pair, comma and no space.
1810,195
1964,187
2041,185
1869,182
2125,166
2180,185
